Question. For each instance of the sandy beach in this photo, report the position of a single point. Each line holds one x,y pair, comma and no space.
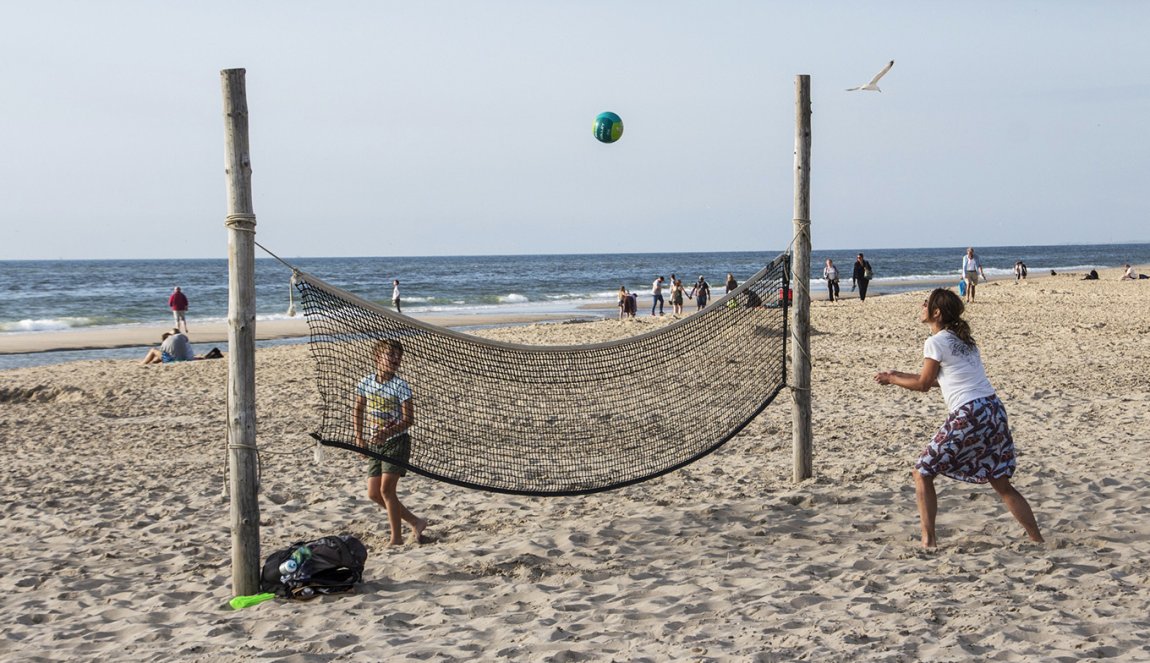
117,521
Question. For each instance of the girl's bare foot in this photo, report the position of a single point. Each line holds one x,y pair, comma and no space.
418,527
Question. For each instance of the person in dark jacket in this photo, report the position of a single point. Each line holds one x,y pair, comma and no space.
861,276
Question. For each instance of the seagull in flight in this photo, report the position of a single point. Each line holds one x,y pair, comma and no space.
873,84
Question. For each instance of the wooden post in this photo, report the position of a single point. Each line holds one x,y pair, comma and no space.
243,457
801,282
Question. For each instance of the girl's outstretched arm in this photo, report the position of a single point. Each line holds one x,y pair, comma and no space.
922,381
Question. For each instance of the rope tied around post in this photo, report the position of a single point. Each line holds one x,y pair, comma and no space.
802,230
244,222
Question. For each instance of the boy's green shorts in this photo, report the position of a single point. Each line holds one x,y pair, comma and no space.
399,448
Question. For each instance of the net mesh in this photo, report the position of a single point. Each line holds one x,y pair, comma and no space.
556,420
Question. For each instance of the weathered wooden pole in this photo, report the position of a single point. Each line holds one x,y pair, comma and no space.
801,282
243,457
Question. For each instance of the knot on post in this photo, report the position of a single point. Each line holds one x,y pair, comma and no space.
245,222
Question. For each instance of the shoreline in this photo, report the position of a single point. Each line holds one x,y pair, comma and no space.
146,336
107,338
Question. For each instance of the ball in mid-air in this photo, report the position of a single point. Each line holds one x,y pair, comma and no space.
608,127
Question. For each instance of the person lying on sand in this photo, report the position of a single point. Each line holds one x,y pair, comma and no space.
174,346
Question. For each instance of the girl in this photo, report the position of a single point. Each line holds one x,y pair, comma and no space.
974,444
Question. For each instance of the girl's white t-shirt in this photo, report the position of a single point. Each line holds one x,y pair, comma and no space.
961,376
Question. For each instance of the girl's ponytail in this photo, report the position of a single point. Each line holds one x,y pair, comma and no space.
950,308
961,329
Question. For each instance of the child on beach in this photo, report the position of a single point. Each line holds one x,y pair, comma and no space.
383,402
974,444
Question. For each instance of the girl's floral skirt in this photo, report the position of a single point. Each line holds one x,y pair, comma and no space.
974,445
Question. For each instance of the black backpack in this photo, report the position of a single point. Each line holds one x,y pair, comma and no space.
329,565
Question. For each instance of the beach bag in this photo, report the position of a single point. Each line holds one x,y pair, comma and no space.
304,570
962,288
867,273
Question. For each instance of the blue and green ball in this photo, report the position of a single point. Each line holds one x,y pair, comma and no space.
608,127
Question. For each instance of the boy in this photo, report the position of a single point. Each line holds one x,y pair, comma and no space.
383,402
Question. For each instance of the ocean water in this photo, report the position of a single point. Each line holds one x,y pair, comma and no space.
46,296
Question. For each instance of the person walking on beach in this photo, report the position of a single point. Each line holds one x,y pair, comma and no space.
395,295
657,295
731,283
831,274
626,303
677,293
701,292
971,269
1019,271
383,401
178,302
861,275
974,444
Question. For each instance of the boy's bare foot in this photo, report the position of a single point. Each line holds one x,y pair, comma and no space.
418,527
394,542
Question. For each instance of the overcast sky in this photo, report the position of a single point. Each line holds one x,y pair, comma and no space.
444,128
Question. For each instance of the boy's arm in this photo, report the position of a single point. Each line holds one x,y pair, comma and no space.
405,421
357,419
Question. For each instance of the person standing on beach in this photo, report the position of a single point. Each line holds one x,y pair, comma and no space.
178,302
1019,271
831,274
701,292
383,401
731,283
657,295
861,276
395,295
974,444
971,269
